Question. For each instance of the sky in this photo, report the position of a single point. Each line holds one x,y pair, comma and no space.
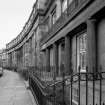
13,16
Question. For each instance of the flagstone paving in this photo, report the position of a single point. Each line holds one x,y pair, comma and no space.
13,90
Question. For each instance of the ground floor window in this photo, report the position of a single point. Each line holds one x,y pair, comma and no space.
61,61
81,52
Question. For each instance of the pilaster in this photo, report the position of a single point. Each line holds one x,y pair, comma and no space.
91,45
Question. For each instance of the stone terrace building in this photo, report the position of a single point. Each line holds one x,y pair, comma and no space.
24,50
67,35
75,35
75,39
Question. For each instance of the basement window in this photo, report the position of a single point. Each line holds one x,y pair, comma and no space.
75,96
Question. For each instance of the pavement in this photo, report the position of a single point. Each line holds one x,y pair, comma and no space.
13,90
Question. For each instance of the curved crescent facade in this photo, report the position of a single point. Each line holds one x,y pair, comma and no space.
24,50
64,37
68,33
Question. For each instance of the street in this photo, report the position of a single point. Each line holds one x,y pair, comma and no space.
13,90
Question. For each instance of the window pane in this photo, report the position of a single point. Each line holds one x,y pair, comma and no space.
64,5
82,52
70,1
54,16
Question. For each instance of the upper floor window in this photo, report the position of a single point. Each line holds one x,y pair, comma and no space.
64,5
54,16
70,1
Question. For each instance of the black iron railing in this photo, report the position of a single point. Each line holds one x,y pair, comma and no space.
81,88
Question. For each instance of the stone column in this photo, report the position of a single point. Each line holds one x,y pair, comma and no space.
55,48
11,60
48,59
23,56
91,45
8,59
67,55
12,63
16,57
30,52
